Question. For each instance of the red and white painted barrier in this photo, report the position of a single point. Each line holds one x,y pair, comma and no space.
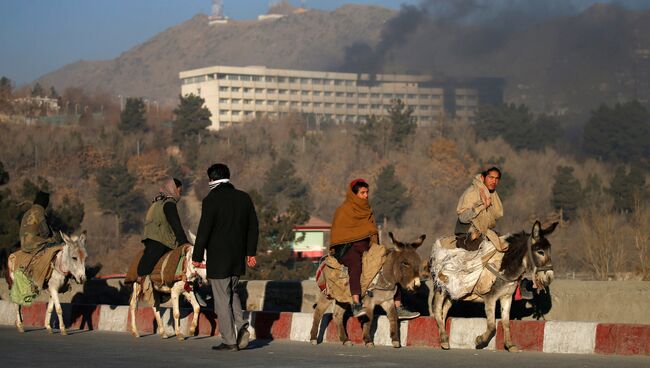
544,336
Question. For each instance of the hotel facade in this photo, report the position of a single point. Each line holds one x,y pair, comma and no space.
235,95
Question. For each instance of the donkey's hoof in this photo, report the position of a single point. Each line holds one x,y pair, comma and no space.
444,345
313,341
64,332
49,330
20,329
192,331
512,348
347,343
180,337
370,344
396,344
135,334
164,336
480,343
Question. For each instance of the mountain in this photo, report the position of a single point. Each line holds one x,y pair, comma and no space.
567,63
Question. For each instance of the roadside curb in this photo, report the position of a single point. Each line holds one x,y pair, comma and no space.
542,336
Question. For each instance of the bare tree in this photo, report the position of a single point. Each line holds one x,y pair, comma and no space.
640,221
602,240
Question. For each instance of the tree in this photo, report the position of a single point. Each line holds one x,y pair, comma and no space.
6,89
593,191
37,90
67,216
133,119
390,199
626,187
567,192
282,185
621,133
192,117
402,122
116,195
53,93
29,188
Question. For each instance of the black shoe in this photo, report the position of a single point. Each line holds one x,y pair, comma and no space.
358,310
225,347
199,299
243,337
526,289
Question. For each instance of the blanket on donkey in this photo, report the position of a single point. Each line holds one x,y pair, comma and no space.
168,270
337,279
462,273
40,268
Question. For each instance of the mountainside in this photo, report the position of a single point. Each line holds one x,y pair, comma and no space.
312,40
570,62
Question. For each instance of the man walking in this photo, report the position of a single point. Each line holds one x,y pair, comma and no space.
228,232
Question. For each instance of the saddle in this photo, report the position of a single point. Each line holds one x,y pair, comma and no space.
333,277
167,271
37,266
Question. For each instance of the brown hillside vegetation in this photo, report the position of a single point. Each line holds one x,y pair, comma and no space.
434,167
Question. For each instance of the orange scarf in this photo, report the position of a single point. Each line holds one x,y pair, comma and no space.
353,220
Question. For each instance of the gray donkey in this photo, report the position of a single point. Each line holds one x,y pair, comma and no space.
401,266
527,253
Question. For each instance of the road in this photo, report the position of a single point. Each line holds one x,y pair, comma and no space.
36,348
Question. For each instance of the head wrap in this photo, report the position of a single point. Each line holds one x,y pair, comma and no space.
353,220
168,189
42,199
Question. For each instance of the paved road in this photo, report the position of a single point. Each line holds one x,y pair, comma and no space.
36,348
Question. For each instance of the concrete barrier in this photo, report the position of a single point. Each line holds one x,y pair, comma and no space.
546,336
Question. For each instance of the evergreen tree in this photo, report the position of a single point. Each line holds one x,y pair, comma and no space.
621,133
116,195
593,189
566,192
6,89
67,216
626,187
192,117
37,90
390,199
281,182
29,188
53,93
10,216
133,119
402,122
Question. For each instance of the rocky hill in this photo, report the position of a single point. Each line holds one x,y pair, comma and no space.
557,64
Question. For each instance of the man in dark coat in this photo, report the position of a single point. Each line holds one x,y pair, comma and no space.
228,231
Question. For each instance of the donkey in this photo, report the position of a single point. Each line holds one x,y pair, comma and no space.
401,266
177,288
527,253
69,262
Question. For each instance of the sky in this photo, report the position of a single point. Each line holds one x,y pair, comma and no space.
40,36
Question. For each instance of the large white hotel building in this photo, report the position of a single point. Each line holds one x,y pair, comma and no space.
238,94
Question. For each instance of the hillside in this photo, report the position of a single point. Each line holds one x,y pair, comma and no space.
559,64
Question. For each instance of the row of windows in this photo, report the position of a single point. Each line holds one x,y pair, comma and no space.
225,113
296,92
238,101
279,79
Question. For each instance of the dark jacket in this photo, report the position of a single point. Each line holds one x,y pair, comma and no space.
227,230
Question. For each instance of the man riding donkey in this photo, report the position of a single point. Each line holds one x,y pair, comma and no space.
35,233
354,230
163,232
478,210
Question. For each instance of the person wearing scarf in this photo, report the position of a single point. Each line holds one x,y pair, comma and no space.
163,230
35,233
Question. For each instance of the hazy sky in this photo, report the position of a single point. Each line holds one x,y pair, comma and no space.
40,36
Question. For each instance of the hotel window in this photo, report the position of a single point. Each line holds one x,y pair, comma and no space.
282,91
224,89
256,78
374,95
304,80
316,104
349,83
388,95
236,100
221,76
340,94
424,96
338,82
400,96
282,79
375,106
259,90
424,107
327,94
339,105
363,95
317,81
232,77
350,106
248,113
247,102
259,102
236,112
269,79
247,90
363,106
245,78
305,93
223,112
234,89
435,97
282,103
305,104
349,94
315,93
328,104
270,90
293,80
211,76
411,96
293,91
223,100
294,103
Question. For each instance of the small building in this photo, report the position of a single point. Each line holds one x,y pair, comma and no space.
316,234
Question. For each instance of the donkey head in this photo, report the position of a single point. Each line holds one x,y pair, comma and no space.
540,252
405,263
74,256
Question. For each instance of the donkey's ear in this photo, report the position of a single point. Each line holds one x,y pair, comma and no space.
392,238
398,245
65,238
536,233
550,229
419,241
82,237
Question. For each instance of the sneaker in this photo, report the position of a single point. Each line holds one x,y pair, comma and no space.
358,310
403,313
243,337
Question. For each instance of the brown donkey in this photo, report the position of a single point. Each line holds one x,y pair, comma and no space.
401,266
527,253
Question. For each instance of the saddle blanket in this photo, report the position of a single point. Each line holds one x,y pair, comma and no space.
168,270
40,268
461,272
336,277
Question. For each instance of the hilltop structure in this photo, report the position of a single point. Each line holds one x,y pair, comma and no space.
235,95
